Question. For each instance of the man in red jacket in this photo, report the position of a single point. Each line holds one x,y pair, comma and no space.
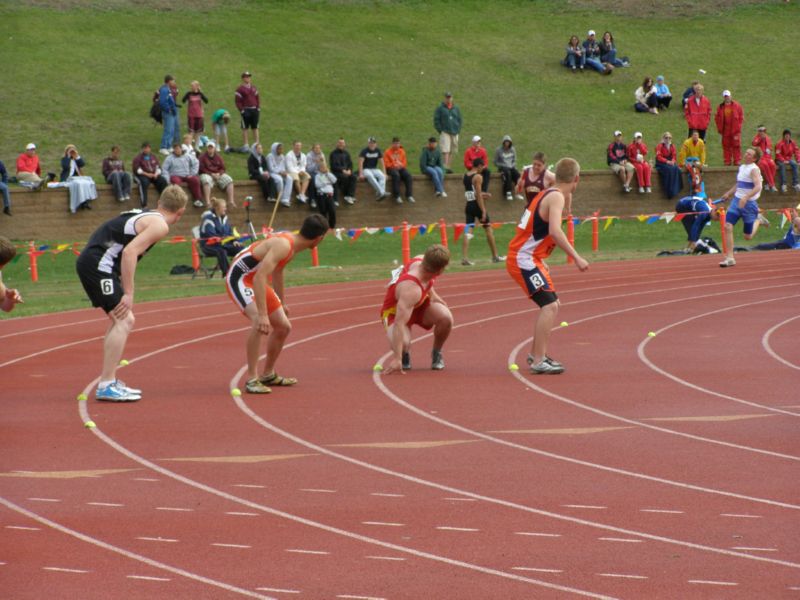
249,106
729,119
475,151
698,112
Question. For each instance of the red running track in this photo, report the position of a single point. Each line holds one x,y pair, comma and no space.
655,467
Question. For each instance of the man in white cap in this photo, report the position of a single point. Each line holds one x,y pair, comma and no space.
617,159
29,172
592,52
729,119
476,150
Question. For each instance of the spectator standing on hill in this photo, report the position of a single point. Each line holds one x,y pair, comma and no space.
182,168
729,119
82,189
371,168
637,155
341,165
693,147
194,111
396,163
430,164
608,52
744,205
115,174
767,162
617,159
276,160
248,104
698,111
220,119
212,173
296,168
447,122
576,57
646,98
313,160
214,229
475,210
167,95
324,182
505,159
476,150
147,171
535,177
258,170
591,50
29,171
787,153
667,166
8,297
4,190
663,95
688,92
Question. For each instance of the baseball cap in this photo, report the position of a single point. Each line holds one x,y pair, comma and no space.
637,134
762,128
211,143
476,138
371,139
591,32
30,146
660,78
726,93
617,132
247,74
448,95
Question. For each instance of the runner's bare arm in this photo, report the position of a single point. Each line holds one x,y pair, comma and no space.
150,229
408,294
270,252
554,207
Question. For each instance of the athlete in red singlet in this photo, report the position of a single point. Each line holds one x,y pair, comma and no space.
411,300
535,177
248,283
538,233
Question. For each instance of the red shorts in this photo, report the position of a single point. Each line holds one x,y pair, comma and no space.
196,124
417,315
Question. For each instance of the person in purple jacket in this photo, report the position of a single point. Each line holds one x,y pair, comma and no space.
249,106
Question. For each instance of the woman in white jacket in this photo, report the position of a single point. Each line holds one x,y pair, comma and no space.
276,161
296,167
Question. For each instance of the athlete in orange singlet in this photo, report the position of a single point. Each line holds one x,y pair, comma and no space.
248,283
538,233
411,300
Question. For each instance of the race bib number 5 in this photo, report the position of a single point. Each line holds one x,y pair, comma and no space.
107,286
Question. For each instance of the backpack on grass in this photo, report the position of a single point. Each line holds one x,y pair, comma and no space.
155,109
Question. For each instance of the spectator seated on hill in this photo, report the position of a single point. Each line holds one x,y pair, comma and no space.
591,50
791,241
147,171
695,148
396,163
324,182
29,171
430,164
576,57
667,167
608,52
212,173
637,155
258,171
296,166
767,162
697,213
787,154
371,168
313,159
646,98
215,232
115,174
663,95
182,168
4,189
475,151
505,159
189,147
82,189
276,160
341,165
617,159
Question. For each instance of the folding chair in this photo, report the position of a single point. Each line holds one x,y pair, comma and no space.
207,271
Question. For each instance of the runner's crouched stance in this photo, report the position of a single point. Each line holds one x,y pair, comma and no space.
248,282
106,268
538,233
411,300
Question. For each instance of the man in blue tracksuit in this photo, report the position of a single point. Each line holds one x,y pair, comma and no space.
698,212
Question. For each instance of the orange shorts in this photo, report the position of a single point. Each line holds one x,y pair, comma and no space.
536,283
240,290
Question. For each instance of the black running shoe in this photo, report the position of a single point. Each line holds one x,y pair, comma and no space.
406,361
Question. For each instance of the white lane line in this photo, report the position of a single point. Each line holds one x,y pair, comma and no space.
739,516
157,539
395,558
765,343
300,551
3,564
249,485
108,504
150,479
382,523
174,508
64,570
794,588
236,513
623,540
317,491
589,506
221,545
536,570
148,578
351,597
277,590
537,534
622,575
707,582
23,528
449,528
44,499
461,499
751,549
385,495
661,510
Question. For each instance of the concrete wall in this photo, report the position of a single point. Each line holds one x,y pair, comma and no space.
44,216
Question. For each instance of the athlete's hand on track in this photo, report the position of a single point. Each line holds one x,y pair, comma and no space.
262,324
395,364
122,309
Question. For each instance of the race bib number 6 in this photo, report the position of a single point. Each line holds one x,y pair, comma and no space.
107,286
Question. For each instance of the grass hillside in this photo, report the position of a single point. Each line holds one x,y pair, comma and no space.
83,72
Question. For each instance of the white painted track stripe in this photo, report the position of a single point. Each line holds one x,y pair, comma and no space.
662,510
589,506
174,509
381,523
277,590
301,551
221,545
23,528
537,534
537,570
707,582
44,499
766,345
622,576
623,540
749,549
65,570
148,578
394,558
145,538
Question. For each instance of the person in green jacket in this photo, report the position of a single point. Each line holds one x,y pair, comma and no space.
447,122
430,164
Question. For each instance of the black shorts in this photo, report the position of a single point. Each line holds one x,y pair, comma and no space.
472,213
103,289
250,118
